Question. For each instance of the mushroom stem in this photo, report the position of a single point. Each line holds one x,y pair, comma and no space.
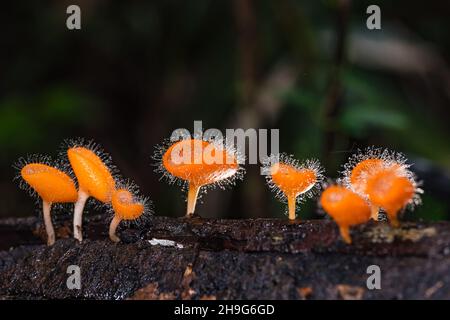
374,212
78,215
193,191
345,234
112,229
291,206
46,208
393,219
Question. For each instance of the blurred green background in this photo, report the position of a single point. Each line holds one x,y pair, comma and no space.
137,70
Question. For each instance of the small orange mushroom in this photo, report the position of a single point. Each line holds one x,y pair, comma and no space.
365,163
293,180
392,191
199,163
361,170
53,186
126,206
346,207
94,180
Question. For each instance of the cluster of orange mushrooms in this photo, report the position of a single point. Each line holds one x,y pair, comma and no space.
373,180
95,178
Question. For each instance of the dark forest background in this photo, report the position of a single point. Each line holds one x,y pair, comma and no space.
137,70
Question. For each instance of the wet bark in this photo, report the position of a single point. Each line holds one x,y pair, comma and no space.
225,259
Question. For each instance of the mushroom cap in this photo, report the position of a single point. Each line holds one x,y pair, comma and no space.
389,190
361,170
125,205
52,185
368,167
292,181
199,162
346,207
93,176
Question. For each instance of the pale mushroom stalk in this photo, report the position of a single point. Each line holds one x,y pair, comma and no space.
53,186
113,227
46,208
78,215
192,199
291,206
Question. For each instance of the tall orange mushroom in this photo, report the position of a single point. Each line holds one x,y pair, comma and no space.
346,207
198,163
53,186
293,180
95,179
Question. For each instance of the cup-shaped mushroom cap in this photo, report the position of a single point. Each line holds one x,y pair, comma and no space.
125,205
366,168
292,181
51,184
199,162
389,190
344,206
363,164
93,176
358,175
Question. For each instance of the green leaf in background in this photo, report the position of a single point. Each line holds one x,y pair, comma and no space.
28,122
18,126
63,104
359,120
431,210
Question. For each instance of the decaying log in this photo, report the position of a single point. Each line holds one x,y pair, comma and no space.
225,259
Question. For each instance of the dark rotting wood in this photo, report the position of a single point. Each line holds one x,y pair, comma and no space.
225,259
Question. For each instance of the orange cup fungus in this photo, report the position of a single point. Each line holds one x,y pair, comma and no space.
198,163
53,186
364,164
94,178
126,206
293,180
372,180
391,190
346,207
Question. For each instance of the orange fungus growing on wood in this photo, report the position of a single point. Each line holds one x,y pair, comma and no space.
391,191
93,176
199,163
126,206
94,179
360,172
363,164
293,180
53,186
346,207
